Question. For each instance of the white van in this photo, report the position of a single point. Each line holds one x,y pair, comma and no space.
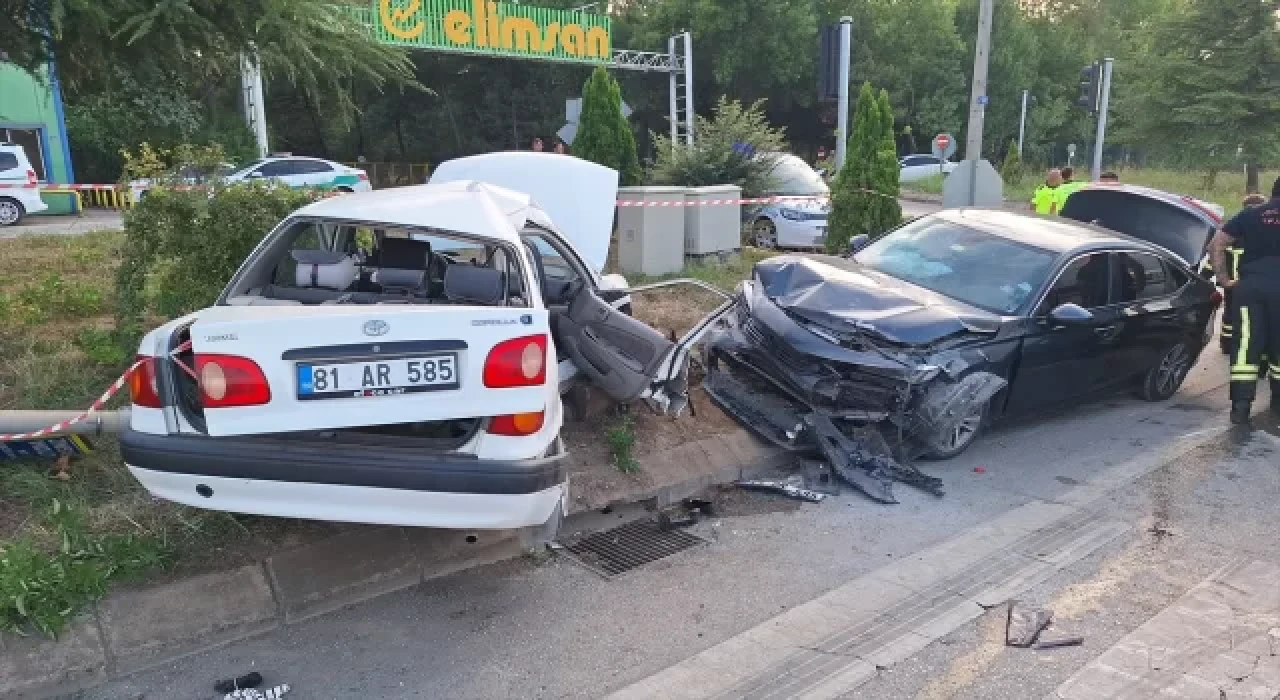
19,187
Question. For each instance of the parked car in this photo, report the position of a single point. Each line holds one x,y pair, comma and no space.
792,223
399,356
952,321
298,171
186,175
22,196
923,167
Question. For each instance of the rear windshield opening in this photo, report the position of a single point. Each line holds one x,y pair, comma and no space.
318,262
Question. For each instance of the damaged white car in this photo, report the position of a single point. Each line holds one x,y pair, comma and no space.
398,357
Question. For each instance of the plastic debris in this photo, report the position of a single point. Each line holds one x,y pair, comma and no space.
1060,642
253,679
784,488
254,694
980,470
1025,623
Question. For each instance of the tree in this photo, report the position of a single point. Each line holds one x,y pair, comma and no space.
1011,169
864,195
1206,85
736,146
604,136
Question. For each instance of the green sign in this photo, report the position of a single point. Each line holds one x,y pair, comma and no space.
495,28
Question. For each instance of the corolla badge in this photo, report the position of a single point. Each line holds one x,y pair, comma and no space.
376,327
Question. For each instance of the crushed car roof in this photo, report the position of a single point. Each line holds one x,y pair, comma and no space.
468,207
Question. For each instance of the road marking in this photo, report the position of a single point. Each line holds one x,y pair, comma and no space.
836,642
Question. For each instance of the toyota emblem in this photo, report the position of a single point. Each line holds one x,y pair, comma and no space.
376,327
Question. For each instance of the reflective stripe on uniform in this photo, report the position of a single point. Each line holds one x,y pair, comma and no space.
1233,262
1242,353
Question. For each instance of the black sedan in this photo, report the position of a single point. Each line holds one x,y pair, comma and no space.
954,320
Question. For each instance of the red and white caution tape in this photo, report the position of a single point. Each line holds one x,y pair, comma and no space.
719,202
67,187
94,408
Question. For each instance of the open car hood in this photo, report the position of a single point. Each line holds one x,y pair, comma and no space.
844,298
578,195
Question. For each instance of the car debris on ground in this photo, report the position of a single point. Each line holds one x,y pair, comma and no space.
1024,624
792,487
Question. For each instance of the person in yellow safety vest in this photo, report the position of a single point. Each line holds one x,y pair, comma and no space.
1068,186
1227,336
1045,200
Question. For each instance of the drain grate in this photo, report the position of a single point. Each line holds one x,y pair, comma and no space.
629,546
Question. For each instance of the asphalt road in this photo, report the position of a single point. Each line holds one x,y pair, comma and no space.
550,629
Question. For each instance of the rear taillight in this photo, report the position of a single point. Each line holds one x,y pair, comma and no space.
143,390
518,425
227,381
517,362
31,177
362,176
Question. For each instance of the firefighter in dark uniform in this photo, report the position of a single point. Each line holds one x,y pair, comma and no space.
1227,337
1256,299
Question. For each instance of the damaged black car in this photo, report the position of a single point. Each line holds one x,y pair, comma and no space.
915,343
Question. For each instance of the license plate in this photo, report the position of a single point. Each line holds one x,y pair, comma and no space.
409,375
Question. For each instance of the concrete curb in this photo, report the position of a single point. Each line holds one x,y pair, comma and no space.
132,630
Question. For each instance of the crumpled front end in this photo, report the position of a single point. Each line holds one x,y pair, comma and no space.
809,388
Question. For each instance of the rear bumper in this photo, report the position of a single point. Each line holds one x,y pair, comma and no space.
350,483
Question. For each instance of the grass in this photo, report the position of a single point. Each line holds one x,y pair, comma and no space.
63,543
1226,190
621,436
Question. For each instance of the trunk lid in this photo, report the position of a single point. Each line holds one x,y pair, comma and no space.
1181,225
341,366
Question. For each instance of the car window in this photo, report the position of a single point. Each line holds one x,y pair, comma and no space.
307,167
978,268
8,161
1083,282
1138,277
278,168
793,177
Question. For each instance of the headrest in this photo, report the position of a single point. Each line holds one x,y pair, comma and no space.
392,278
404,254
324,269
480,285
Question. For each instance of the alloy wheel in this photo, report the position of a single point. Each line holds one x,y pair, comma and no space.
764,234
1173,368
10,212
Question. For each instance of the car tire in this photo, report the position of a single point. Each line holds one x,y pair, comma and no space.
764,234
1167,374
11,211
963,437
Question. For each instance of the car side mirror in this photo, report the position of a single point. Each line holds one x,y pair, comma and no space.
1070,315
859,242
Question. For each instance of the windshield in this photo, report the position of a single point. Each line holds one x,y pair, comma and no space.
977,268
793,177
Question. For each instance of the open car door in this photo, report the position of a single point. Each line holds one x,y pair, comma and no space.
619,354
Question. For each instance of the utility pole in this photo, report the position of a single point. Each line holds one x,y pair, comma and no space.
842,104
978,96
1022,123
1103,103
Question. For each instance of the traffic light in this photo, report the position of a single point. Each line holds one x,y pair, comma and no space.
1090,85
829,63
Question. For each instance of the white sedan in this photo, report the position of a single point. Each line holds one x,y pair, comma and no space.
299,171
398,357
923,167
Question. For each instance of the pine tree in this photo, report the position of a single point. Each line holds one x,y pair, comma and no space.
1011,169
864,195
604,136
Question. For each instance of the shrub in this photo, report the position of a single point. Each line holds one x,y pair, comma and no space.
181,248
736,146
1011,169
604,136
864,197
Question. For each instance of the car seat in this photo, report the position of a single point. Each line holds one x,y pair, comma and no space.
402,265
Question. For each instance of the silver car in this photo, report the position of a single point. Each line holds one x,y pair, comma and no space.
800,219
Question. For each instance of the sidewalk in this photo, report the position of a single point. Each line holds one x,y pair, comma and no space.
90,220
131,630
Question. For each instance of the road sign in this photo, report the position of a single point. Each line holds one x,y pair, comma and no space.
1071,150
944,146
